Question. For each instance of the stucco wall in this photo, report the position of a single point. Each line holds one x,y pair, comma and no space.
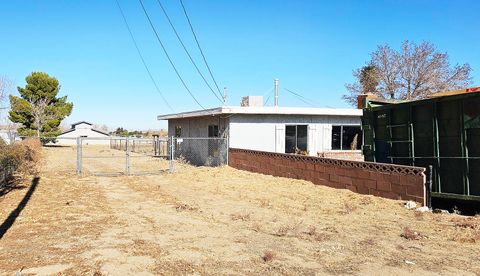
196,151
264,132
197,127
267,132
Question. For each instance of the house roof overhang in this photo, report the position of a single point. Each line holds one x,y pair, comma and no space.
264,110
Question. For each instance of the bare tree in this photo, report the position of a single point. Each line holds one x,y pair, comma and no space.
5,85
40,114
367,82
414,72
101,127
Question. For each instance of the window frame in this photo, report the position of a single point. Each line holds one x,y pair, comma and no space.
341,138
216,134
178,131
296,137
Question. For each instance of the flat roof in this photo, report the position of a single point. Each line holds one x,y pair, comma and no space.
264,110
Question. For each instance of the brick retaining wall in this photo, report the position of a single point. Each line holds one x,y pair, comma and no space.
344,155
385,180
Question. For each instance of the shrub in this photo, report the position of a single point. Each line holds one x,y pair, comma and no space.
23,157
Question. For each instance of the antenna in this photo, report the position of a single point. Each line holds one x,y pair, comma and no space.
276,91
225,96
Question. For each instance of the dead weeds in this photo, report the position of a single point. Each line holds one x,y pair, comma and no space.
268,256
180,206
467,222
187,219
410,234
243,216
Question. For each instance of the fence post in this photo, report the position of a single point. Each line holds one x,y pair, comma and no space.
79,155
429,188
228,149
127,157
172,154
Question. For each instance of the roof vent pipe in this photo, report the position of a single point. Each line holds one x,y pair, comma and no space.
276,92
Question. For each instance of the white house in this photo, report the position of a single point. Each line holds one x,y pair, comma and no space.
274,129
8,136
83,129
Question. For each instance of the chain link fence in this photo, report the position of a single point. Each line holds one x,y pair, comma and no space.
112,156
210,152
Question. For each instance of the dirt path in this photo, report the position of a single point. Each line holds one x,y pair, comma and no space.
221,221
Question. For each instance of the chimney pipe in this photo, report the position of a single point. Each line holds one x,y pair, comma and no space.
276,92
224,96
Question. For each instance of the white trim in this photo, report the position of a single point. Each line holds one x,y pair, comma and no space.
264,110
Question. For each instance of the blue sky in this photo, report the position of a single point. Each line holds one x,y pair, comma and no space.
311,46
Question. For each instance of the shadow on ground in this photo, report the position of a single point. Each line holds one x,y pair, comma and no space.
10,186
16,212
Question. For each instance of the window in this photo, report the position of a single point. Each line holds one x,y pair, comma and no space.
213,131
178,131
295,138
346,138
213,144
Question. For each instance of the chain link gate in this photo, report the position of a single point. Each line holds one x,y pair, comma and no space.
115,156
122,156
140,156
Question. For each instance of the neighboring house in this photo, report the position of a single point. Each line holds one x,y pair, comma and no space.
312,131
8,136
83,129
8,133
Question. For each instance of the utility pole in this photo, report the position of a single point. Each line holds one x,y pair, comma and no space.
276,92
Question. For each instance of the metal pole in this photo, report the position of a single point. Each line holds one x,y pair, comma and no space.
224,96
172,154
276,92
127,157
228,149
429,188
79,155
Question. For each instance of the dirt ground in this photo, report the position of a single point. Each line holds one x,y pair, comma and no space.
201,221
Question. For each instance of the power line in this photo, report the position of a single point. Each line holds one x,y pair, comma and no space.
302,98
141,57
199,48
186,51
168,56
267,100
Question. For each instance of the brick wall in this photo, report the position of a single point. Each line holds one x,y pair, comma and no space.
345,155
385,180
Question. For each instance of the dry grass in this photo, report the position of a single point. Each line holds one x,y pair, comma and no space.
268,256
410,234
220,221
184,207
243,216
471,223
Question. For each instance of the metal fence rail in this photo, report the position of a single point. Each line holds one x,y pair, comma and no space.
210,152
154,146
111,156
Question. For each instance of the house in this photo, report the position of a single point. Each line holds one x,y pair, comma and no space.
8,135
83,129
312,131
